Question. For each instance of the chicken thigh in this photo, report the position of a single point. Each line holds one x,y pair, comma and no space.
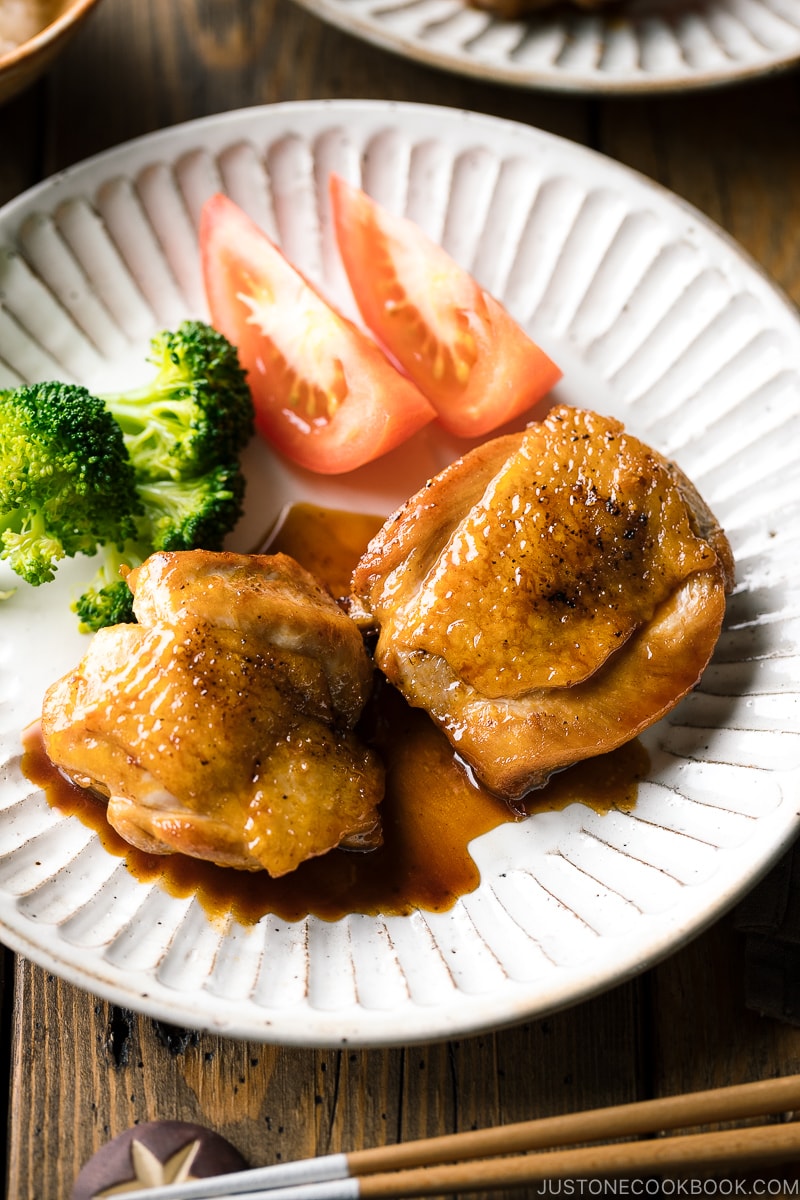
221,725
547,597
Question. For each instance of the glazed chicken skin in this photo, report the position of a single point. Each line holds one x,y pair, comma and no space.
221,725
547,597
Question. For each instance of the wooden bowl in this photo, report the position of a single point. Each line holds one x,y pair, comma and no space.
25,63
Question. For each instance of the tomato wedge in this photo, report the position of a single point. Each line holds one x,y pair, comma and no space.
464,351
324,393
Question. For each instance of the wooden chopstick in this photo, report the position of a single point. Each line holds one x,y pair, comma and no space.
715,1106
415,1165
751,1146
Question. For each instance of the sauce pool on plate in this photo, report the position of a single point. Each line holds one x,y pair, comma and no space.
432,809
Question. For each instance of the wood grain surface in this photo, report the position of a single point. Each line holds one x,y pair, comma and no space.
77,1071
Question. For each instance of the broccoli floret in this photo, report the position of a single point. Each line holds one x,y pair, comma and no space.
189,514
109,600
67,485
194,414
152,469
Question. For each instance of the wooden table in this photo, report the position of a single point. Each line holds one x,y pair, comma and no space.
77,1071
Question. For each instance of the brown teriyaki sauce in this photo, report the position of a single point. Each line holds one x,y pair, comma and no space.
431,811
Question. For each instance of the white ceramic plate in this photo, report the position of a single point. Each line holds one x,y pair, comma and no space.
656,317
634,46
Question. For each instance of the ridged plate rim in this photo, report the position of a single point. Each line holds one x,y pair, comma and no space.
470,52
